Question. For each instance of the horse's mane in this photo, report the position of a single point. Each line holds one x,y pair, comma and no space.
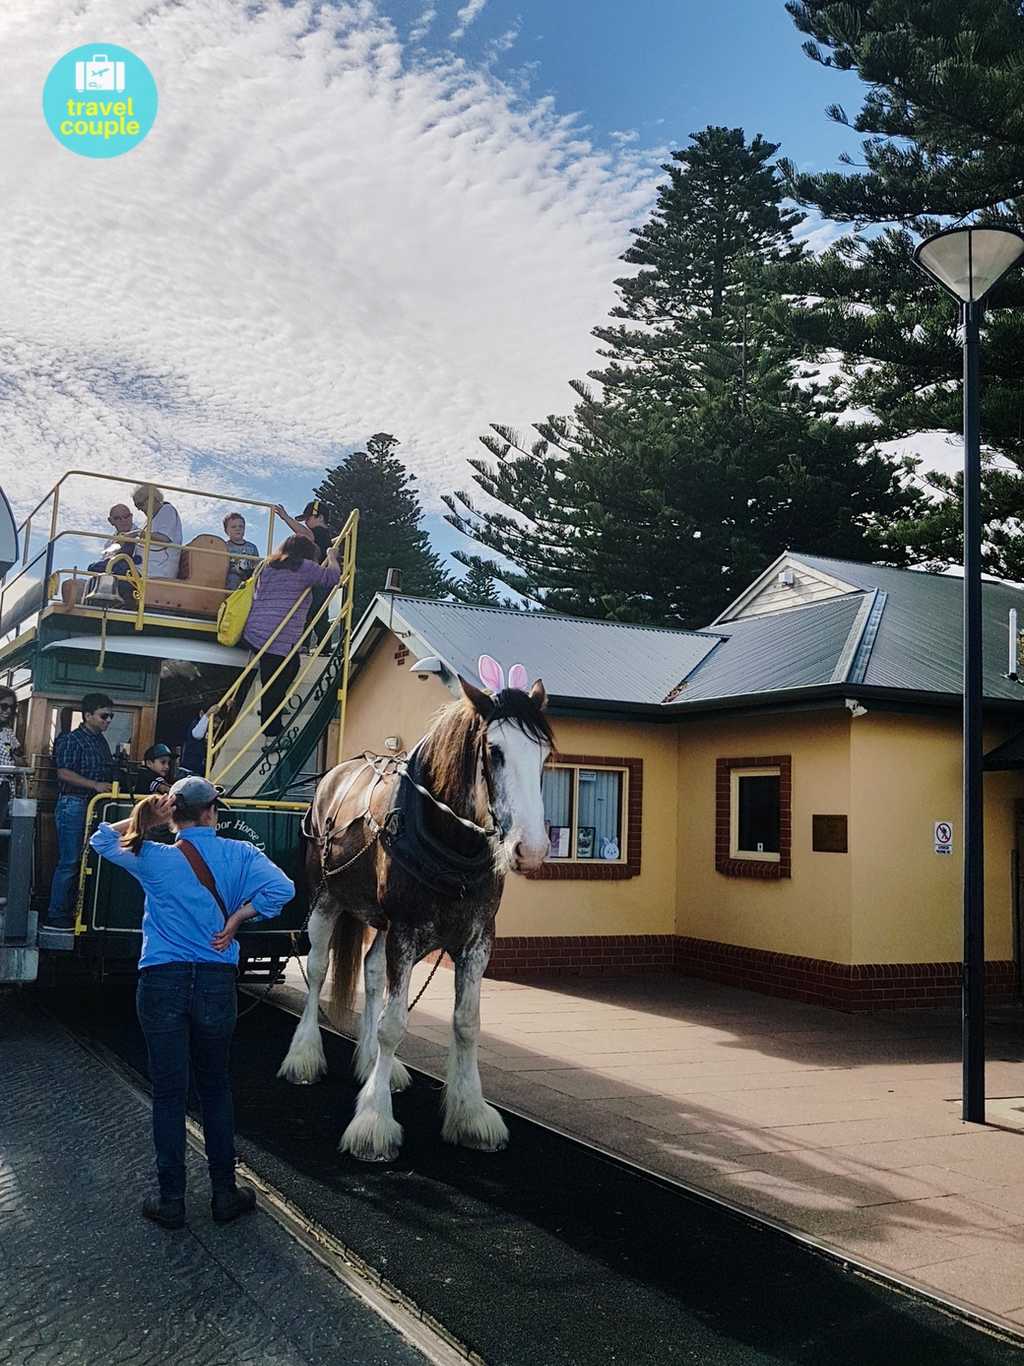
449,749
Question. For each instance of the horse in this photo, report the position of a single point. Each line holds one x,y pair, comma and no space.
418,850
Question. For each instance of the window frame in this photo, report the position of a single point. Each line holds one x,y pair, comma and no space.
735,851
598,869
741,863
574,806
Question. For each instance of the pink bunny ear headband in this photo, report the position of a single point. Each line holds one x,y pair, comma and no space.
492,675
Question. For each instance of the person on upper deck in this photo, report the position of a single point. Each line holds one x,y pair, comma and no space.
124,539
243,555
164,531
313,523
288,573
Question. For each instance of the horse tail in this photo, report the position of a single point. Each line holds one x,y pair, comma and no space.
346,960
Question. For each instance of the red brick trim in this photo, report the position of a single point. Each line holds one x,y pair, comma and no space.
739,867
596,870
840,986
582,955
846,986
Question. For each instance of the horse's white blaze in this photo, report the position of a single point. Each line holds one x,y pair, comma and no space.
518,803
305,1062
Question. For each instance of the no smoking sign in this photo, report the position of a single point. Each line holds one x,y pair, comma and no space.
943,837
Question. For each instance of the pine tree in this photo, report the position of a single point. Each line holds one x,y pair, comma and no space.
702,456
476,587
944,112
946,138
390,536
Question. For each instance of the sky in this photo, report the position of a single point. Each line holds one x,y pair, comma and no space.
350,216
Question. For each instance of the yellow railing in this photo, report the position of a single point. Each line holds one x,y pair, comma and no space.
115,794
345,548
144,538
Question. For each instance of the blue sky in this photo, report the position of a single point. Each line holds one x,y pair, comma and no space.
350,216
664,68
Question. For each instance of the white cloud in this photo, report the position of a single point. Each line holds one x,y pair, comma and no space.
467,15
497,47
320,238
423,24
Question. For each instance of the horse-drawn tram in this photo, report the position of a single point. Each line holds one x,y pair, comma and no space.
130,616
478,1235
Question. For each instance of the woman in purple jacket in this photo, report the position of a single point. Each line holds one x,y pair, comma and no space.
286,576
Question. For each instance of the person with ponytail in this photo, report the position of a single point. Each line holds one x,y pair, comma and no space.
199,891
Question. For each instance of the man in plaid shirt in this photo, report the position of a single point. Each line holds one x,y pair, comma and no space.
84,765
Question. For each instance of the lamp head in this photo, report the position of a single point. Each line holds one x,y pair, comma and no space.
967,262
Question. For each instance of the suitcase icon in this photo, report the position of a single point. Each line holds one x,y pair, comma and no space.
99,73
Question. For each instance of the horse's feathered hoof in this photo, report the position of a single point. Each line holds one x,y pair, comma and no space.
481,1128
304,1065
372,1138
400,1078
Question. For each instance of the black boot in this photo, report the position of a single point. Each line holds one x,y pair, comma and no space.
166,1213
228,1205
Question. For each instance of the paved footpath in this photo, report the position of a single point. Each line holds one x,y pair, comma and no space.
846,1127
86,1281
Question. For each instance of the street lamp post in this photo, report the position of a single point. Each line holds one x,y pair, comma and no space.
967,263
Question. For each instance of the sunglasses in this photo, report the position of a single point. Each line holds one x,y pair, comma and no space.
6,706
105,715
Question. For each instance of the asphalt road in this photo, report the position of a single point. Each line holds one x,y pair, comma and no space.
549,1254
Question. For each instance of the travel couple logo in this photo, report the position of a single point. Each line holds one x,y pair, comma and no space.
100,100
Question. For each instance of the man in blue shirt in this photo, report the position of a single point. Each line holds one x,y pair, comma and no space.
199,891
84,766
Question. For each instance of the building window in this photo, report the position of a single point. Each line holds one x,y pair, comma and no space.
583,808
592,806
754,814
752,817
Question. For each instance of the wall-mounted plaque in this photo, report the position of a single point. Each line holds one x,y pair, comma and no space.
828,835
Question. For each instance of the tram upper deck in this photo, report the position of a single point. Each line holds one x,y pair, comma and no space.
149,642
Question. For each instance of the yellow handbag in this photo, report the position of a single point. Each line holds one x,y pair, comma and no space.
234,610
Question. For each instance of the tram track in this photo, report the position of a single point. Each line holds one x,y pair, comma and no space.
552,1253
431,1339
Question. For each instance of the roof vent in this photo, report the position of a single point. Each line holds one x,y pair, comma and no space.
393,582
787,578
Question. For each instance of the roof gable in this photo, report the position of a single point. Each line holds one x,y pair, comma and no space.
790,582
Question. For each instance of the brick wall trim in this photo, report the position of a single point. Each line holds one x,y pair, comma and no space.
840,986
597,870
755,868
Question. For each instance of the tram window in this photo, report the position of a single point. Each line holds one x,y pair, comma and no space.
120,731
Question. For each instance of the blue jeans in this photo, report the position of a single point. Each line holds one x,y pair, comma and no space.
69,818
187,1012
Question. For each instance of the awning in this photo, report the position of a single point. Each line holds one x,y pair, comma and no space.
1008,755
159,647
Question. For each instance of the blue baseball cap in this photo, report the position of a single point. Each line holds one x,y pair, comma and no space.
194,791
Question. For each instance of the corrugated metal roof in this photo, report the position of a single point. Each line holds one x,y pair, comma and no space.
795,649
896,629
920,635
594,660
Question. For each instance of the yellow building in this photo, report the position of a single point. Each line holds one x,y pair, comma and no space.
773,801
